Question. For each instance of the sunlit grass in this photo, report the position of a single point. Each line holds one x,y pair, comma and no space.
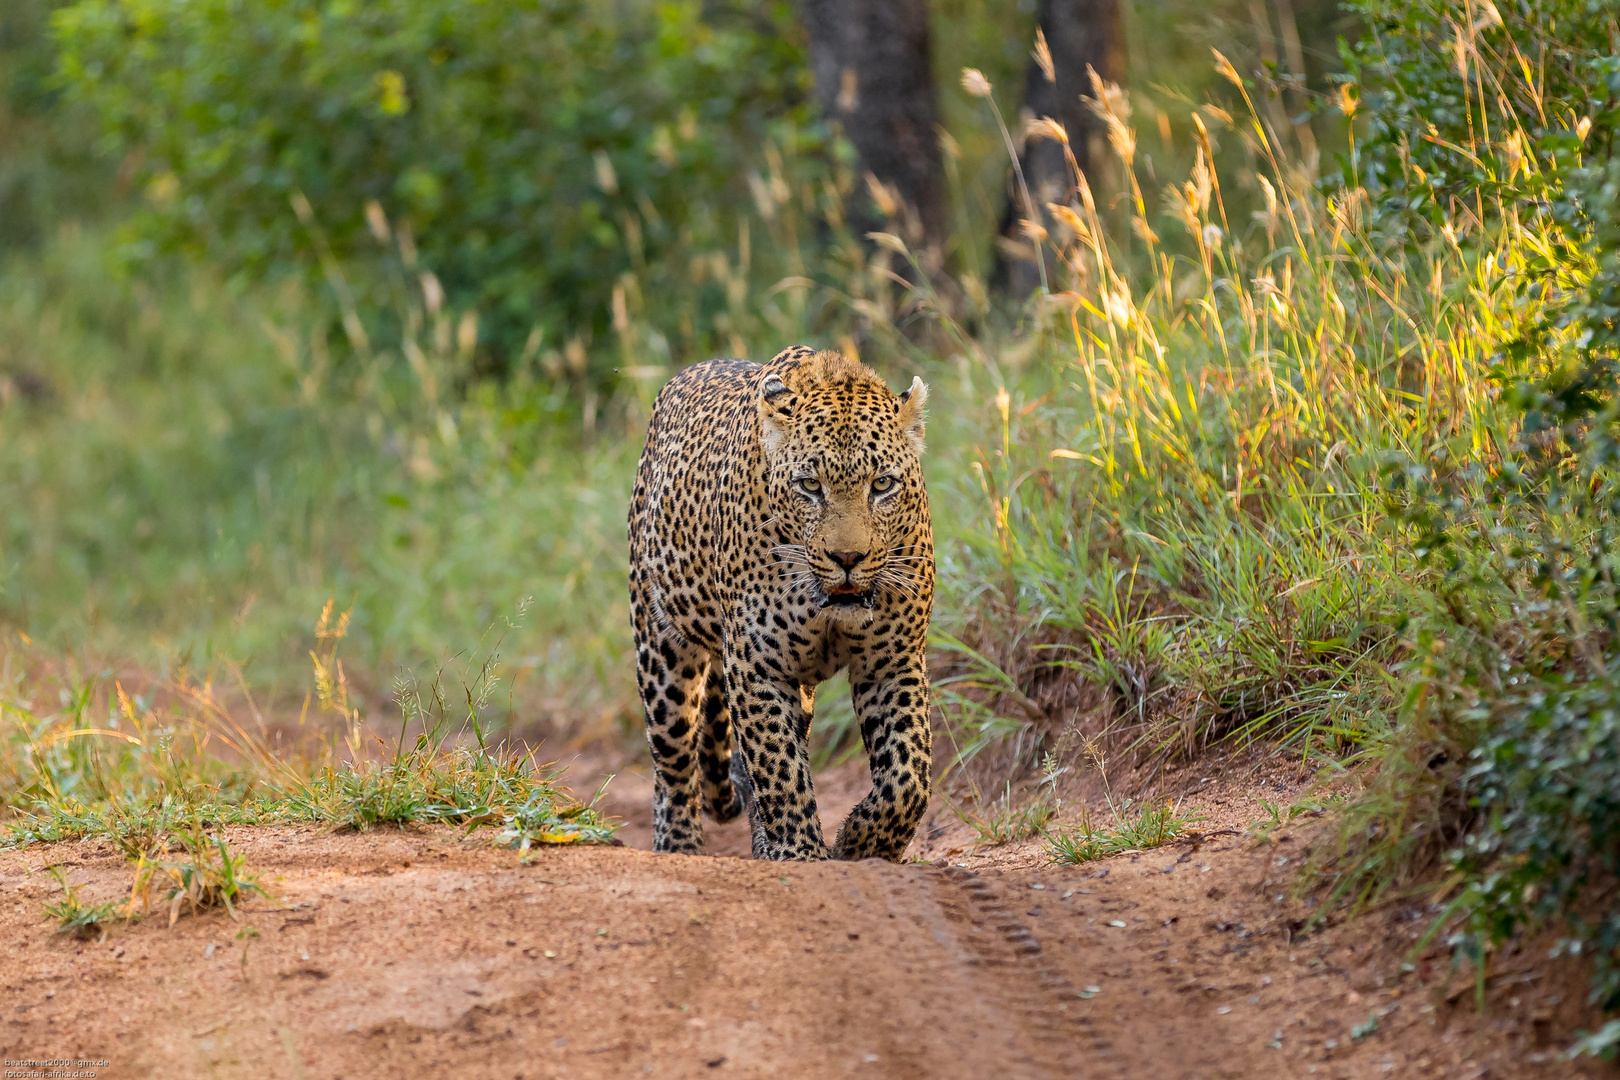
1171,487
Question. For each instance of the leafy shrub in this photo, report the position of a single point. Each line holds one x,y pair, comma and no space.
1442,89
1536,570
1509,757
1546,780
538,152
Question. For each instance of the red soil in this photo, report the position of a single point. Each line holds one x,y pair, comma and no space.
422,953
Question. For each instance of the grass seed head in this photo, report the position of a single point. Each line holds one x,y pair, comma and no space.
974,82
1042,55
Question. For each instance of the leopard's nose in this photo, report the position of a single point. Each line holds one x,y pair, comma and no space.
847,559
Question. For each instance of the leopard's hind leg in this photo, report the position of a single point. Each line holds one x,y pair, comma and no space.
670,674
720,795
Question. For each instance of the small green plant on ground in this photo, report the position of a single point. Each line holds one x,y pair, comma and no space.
83,921
1002,822
1148,826
545,820
207,875
1278,814
434,779
142,831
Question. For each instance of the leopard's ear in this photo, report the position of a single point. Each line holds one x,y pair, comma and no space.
776,405
911,411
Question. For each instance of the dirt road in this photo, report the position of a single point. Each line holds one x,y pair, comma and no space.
407,956
423,954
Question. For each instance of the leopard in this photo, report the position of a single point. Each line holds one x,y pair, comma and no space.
780,534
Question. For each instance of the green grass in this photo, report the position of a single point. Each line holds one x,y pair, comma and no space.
207,874
148,774
999,821
190,474
1147,826
204,874
73,916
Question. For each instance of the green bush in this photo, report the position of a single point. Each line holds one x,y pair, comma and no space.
1432,134
1534,569
538,152
1546,780
1507,764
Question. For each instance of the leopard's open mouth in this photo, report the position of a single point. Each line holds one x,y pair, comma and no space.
847,599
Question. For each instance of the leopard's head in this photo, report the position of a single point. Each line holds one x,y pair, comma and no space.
844,455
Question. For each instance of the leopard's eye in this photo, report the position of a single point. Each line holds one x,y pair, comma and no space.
810,484
882,484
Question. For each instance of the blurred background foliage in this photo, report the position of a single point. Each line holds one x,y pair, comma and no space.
544,156
49,170
216,410
539,151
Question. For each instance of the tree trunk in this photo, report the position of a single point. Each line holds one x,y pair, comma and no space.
871,63
1078,33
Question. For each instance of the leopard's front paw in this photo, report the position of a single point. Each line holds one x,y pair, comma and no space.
792,853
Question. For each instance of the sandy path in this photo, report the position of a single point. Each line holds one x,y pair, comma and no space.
426,954
412,955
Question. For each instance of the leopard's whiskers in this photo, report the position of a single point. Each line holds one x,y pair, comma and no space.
895,581
791,553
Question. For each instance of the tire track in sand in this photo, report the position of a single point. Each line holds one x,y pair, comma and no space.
1001,1004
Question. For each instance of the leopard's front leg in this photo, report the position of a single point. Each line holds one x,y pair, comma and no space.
890,694
771,732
